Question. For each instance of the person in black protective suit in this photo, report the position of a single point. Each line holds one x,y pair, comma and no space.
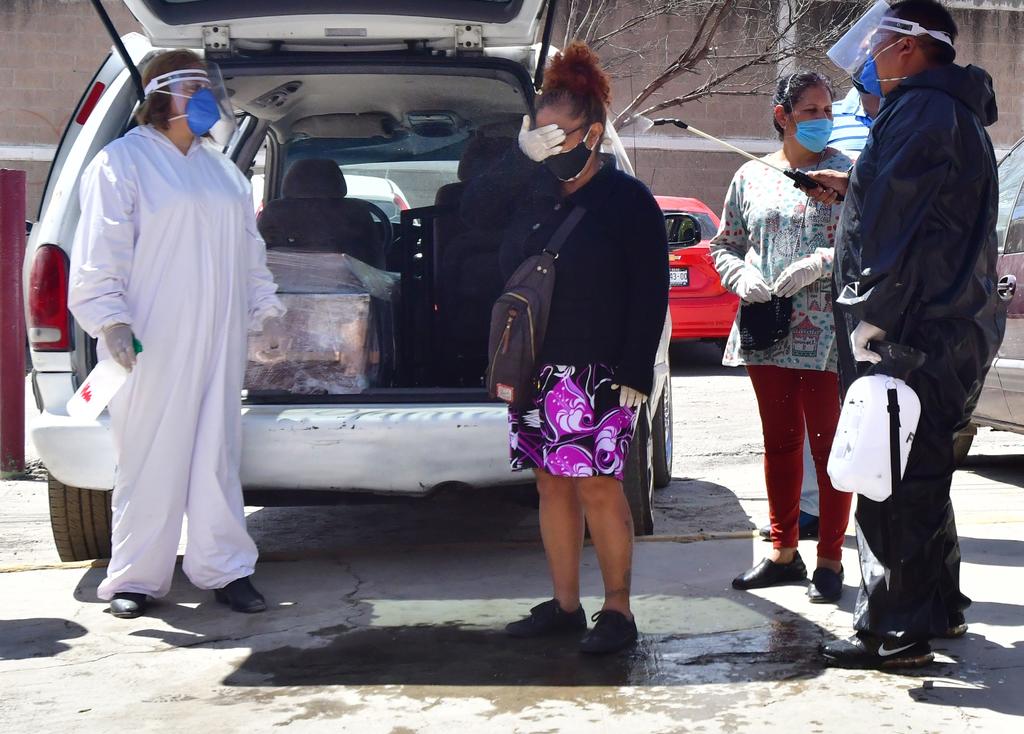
916,265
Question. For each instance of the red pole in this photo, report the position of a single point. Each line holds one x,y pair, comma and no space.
12,322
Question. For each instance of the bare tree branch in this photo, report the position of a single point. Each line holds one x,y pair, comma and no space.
734,47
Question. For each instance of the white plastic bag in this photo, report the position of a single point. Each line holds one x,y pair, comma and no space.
860,459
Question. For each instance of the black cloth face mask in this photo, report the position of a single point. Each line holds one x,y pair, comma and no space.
570,164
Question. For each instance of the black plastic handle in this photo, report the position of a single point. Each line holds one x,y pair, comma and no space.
805,181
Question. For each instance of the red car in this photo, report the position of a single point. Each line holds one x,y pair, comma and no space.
701,307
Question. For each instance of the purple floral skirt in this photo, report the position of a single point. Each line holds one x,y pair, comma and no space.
577,427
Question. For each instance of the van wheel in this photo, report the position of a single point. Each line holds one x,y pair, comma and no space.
80,519
661,435
638,478
962,445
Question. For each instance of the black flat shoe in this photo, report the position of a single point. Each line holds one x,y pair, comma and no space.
613,632
808,528
241,596
128,605
957,627
867,652
826,586
768,573
547,619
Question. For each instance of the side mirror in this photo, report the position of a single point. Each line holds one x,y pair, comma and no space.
683,230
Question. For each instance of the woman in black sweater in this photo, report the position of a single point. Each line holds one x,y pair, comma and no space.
596,366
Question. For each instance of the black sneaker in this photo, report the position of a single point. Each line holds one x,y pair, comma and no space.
867,652
548,619
613,632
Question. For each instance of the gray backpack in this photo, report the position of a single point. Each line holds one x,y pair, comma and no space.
519,320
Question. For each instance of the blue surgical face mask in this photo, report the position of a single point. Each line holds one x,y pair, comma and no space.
201,111
868,76
814,134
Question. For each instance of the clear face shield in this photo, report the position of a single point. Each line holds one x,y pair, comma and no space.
855,52
199,96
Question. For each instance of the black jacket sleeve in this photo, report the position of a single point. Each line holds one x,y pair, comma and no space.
491,198
646,283
914,166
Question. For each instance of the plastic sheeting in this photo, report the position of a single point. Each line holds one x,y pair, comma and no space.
340,327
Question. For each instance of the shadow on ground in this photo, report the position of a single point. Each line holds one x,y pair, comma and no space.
700,359
21,639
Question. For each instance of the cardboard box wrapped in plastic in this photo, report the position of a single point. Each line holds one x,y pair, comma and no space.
339,330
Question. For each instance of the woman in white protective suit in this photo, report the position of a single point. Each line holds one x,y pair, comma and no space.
167,252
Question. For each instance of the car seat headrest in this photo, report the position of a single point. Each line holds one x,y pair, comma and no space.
314,178
480,154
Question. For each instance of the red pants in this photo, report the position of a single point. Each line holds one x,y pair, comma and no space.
787,400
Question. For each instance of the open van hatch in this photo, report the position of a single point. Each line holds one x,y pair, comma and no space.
340,24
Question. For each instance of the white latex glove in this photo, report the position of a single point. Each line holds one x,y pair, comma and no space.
121,344
541,143
630,398
752,288
274,340
859,339
799,275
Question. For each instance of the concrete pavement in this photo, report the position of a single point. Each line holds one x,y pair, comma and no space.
387,618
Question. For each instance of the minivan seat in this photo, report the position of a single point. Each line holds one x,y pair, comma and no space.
467,276
314,215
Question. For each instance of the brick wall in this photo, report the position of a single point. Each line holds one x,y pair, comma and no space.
49,50
991,39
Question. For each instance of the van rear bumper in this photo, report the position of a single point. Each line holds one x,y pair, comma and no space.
401,450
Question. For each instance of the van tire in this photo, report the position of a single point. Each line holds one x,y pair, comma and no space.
638,478
81,520
661,433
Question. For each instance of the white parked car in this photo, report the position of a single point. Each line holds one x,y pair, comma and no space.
391,90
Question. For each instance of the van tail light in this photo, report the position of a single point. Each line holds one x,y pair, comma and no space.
89,102
401,203
49,324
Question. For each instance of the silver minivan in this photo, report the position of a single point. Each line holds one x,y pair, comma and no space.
387,88
1001,405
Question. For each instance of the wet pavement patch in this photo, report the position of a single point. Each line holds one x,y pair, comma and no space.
451,655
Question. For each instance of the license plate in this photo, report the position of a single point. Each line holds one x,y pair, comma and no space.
679,277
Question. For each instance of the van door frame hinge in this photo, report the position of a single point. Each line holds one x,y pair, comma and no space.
217,41
469,38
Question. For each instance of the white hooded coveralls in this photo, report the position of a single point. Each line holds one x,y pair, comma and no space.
167,243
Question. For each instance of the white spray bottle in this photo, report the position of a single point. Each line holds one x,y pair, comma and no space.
102,384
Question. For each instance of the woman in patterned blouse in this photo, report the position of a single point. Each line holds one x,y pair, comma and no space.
775,241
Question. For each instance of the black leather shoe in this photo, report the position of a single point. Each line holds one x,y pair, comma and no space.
128,605
242,596
613,632
547,619
768,573
826,586
867,652
808,528
957,626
